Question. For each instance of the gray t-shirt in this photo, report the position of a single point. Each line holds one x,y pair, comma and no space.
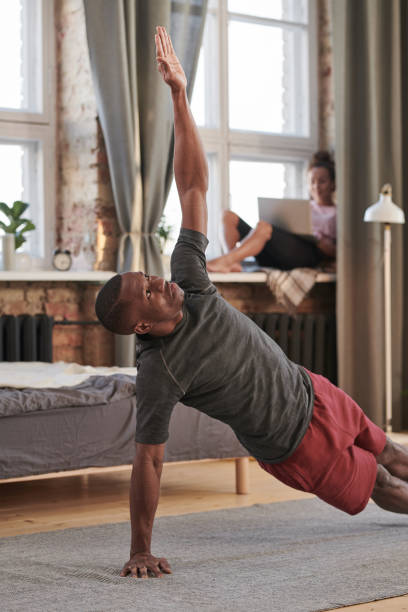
218,361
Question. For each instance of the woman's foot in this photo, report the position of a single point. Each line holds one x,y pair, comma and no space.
252,244
223,265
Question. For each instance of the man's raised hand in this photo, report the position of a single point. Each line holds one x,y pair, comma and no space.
143,565
167,61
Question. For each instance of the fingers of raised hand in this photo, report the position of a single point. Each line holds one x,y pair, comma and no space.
159,46
165,40
162,40
169,45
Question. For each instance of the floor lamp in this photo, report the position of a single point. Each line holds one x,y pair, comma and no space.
385,211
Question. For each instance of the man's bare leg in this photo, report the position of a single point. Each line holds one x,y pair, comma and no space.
390,492
395,459
251,245
391,487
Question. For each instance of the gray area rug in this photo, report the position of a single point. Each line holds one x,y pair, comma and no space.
296,556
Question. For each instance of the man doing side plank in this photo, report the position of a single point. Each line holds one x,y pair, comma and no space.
195,348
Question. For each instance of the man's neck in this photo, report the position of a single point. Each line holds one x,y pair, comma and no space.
165,328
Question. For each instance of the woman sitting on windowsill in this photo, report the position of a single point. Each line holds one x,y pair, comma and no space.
276,248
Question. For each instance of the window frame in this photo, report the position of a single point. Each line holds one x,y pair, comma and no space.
229,143
19,126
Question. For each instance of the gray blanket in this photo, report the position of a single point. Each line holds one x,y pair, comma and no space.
96,390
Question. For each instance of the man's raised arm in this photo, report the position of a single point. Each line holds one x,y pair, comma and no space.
190,163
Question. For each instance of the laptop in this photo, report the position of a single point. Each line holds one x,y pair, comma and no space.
294,216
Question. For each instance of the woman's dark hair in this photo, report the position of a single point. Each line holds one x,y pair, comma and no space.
324,159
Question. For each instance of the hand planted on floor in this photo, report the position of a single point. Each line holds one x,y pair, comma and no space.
143,565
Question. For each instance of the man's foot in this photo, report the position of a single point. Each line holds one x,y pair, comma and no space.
223,265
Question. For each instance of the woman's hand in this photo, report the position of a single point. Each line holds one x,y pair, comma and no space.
327,246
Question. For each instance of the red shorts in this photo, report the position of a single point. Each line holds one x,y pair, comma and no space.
336,460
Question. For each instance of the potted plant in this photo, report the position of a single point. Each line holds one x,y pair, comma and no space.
163,234
14,230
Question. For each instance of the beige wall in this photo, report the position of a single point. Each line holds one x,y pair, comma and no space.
85,203
325,77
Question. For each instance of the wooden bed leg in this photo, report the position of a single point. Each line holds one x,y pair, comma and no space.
242,475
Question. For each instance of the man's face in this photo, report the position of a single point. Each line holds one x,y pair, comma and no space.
149,299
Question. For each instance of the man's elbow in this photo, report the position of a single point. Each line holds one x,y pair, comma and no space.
149,454
193,191
194,197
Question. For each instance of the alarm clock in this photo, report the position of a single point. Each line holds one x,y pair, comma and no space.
62,260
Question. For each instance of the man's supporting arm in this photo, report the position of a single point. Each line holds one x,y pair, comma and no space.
144,497
190,162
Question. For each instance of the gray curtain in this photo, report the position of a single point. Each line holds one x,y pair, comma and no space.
135,111
370,47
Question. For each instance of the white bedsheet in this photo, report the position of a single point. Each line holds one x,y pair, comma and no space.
38,374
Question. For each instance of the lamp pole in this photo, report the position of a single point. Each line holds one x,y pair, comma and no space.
387,314
385,211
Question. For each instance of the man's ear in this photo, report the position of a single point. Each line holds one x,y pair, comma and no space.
142,328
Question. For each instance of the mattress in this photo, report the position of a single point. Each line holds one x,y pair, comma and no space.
93,425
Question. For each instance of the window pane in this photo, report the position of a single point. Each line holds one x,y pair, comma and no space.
250,180
19,178
198,97
268,89
172,212
204,103
20,39
172,216
287,10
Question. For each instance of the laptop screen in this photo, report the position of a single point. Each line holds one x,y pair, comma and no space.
289,214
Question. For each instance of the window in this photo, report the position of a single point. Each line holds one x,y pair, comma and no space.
255,102
27,115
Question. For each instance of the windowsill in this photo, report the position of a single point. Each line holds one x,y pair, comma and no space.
260,277
99,276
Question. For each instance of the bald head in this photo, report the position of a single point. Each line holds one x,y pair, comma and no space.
135,302
108,306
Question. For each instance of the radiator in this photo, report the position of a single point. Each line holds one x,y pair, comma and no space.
26,338
307,339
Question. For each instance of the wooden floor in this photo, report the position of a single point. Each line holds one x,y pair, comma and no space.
93,497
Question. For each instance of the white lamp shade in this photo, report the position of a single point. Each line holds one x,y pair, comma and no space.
384,211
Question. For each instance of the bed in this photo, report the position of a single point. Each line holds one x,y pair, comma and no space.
92,424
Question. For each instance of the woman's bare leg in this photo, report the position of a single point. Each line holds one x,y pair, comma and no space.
231,234
251,245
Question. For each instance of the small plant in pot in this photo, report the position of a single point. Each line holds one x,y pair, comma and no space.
163,234
16,226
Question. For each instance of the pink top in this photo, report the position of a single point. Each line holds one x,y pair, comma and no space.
324,221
